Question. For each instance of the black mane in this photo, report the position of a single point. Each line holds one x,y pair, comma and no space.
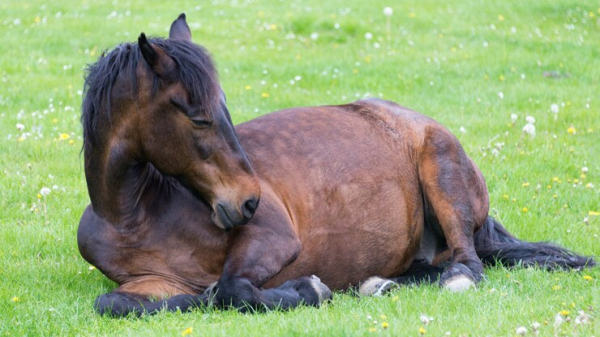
195,71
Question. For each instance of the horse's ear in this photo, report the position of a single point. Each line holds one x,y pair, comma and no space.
180,29
161,63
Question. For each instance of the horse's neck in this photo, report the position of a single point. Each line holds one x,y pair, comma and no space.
120,188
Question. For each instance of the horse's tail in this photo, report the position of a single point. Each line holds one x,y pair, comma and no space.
495,245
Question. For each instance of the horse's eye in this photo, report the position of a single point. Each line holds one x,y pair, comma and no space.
201,123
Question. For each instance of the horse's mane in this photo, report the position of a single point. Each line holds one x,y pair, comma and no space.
195,71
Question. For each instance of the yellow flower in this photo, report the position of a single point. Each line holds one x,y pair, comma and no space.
594,213
15,299
422,330
394,299
64,136
556,287
412,14
265,95
71,142
247,87
587,277
525,184
505,197
556,180
564,312
500,17
384,317
571,130
187,331
372,330
525,210
385,325
39,196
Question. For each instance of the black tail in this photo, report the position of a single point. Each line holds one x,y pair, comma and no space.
494,244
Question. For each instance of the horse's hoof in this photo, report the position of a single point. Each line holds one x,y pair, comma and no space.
457,278
320,288
458,283
376,286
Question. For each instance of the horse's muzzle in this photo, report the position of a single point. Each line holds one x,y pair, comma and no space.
227,217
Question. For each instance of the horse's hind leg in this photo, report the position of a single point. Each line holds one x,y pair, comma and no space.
419,272
456,202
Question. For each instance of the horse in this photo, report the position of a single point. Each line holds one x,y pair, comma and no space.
367,194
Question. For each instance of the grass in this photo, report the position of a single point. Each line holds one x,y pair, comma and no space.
469,64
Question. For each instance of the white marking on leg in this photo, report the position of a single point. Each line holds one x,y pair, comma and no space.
320,288
459,283
376,286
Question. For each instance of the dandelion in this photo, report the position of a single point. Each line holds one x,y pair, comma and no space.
64,136
187,331
587,277
45,191
247,87
422,330
385,325
593,213
425,320
589,185
525,184
371,329
265,95
15,299
388,11
500,17
521,330
571,130
525,210
529,129
556,287
564,312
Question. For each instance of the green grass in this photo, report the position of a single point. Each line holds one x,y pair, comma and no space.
448,60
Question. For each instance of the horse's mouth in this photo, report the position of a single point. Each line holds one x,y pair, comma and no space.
221,219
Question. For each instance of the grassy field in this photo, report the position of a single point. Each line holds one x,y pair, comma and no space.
469,64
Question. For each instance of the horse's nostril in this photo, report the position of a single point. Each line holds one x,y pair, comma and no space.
250,207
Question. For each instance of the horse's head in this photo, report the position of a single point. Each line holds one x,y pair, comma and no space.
173,115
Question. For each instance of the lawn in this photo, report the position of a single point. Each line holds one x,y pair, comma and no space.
482,68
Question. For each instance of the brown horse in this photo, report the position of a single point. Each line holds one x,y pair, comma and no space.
347,192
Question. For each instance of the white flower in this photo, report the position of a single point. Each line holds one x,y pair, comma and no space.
501,95
462,129
514,117
530,119
20,126
314,36
368,36
388,11
554,108
45,191
529,129
585,169
535,325
521,330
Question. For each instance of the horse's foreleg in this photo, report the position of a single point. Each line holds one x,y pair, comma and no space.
118,304
257,252
456,199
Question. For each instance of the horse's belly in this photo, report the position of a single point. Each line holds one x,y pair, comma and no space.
346,243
